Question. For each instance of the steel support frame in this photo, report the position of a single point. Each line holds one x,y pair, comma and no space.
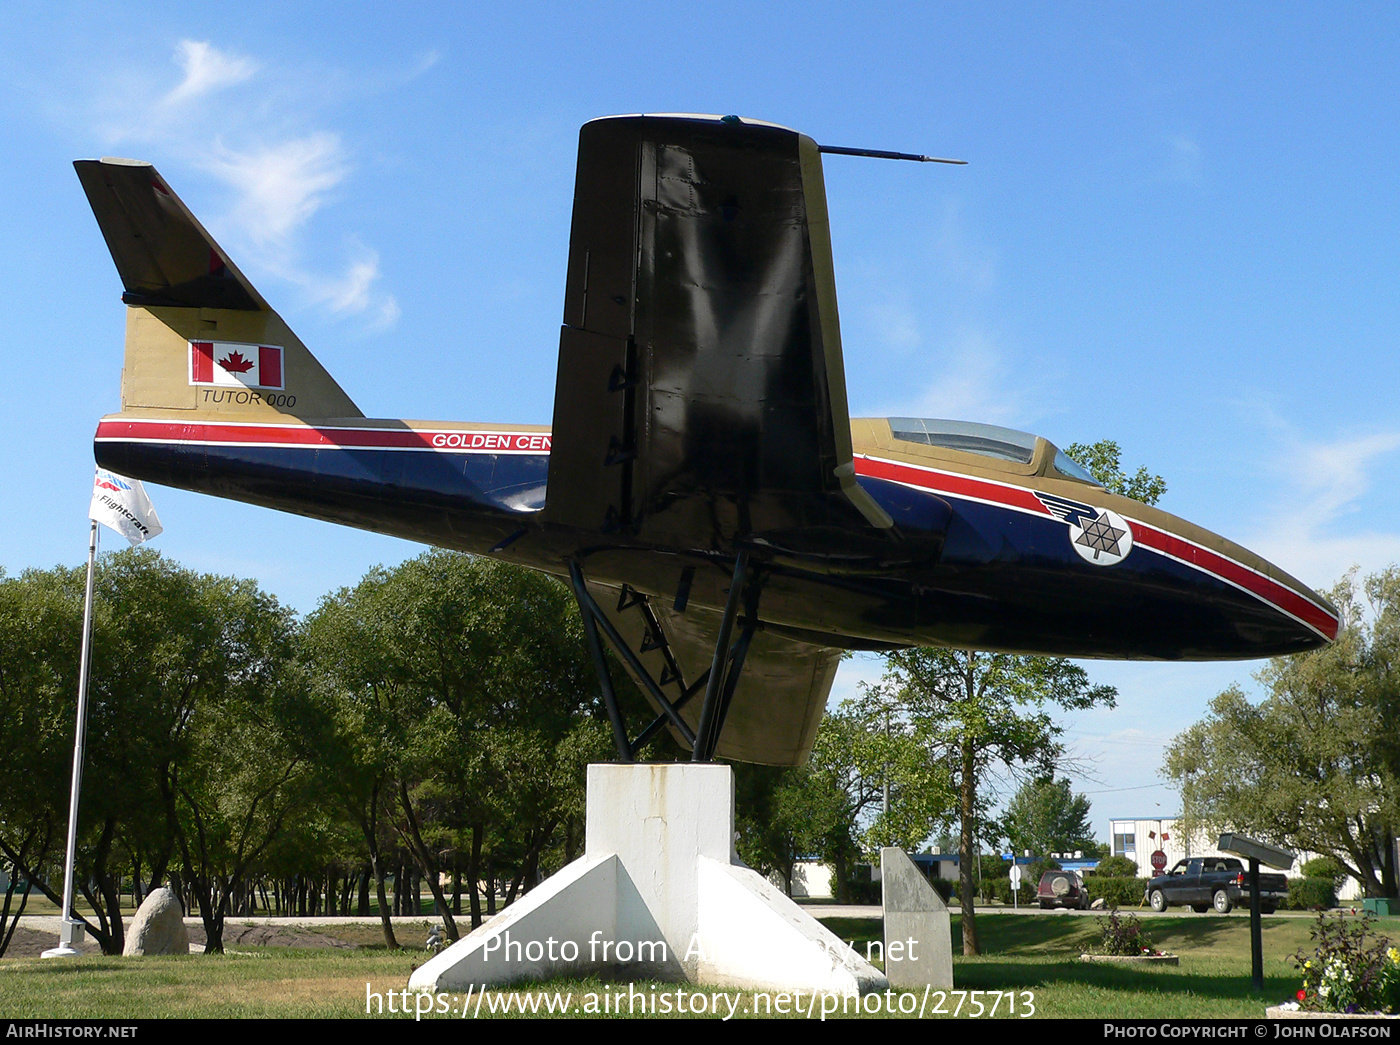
719,680
593,620
728,661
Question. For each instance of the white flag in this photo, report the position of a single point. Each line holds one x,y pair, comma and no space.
122,504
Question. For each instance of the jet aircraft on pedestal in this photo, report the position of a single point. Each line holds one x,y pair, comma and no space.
723,521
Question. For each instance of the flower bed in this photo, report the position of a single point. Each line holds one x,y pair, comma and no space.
1349,971
1131,959
1123,940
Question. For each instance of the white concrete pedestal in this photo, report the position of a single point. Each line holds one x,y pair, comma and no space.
658,894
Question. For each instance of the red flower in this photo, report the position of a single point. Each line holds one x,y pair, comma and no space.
1302,995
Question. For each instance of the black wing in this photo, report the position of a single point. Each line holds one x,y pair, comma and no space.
701,399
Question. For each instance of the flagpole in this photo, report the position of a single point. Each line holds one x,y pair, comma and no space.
72,930
123,505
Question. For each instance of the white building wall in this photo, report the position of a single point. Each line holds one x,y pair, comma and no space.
811,880
1139,839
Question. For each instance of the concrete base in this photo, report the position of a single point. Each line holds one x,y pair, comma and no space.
918,941
658,894
70,933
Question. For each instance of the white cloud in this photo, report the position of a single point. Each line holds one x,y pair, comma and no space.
1183,161
975,385
867,668
353,292
206,69
280,185
896,325
1327,482
965,260
1337,474
253,134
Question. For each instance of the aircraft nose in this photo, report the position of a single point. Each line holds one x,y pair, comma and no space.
1253,608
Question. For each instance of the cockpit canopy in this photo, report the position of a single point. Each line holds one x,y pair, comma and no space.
1001,444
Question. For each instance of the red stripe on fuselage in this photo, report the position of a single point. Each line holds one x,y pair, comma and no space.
1227,569
953,484
236,434
1194,555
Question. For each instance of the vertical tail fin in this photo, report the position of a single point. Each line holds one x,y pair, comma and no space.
199,337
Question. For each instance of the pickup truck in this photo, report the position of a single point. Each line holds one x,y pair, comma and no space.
1214,881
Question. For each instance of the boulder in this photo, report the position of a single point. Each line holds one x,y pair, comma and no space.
159,926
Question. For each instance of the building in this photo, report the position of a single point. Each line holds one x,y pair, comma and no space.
1139,839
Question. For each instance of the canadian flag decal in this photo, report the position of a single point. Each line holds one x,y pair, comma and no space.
235,365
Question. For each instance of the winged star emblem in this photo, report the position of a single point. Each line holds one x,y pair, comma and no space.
1100,536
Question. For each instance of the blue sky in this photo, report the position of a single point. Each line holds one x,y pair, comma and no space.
1176,229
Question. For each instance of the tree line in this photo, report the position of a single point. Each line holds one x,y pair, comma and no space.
430,724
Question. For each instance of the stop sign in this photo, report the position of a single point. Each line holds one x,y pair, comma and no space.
1159,860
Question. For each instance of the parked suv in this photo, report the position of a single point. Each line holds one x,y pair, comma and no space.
1062,889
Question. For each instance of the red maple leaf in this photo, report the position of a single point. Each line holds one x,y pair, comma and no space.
234,363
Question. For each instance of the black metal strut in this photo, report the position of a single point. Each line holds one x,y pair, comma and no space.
593,620
728,662
719,680
600,663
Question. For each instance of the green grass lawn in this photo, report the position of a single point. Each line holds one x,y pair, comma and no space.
1033,956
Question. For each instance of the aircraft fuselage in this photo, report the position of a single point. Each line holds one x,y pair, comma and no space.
977,555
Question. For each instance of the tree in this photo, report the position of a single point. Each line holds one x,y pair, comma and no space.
482,712
1045,817
1102,461
39,627
1116,867
833,807
187,673
772,807
194,675
975,711
1312,766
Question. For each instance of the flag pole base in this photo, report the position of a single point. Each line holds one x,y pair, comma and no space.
71,932
659,894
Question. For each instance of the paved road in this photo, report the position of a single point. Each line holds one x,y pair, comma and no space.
49,922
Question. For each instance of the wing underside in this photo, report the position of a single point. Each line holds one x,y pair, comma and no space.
781,694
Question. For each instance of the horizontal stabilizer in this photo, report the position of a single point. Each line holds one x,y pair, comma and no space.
163,254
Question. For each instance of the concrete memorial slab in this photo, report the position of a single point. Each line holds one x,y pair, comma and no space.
918,932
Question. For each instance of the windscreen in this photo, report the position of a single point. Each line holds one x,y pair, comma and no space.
1005,444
